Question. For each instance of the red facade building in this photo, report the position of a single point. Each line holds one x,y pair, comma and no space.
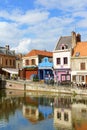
31,61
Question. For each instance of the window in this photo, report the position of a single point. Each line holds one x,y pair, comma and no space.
77,54
82,66
74,77
66,116
27,111
10,62
59,115
62,47
65,60
82,78
18,65
33,112
33,61
13,62
27,62
6,62
68,77
0,60
58,61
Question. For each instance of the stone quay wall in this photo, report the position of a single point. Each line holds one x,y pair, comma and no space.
41,87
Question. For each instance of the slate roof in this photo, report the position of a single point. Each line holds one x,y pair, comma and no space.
4,51
66,40
40,53
80,49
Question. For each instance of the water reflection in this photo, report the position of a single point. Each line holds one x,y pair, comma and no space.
37,108
70,113
23,111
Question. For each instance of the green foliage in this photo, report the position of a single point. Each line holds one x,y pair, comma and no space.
35,78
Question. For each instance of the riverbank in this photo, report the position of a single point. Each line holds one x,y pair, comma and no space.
41,87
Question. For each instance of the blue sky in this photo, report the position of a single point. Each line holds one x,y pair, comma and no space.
38,24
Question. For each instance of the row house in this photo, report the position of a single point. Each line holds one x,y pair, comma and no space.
7,57
31,61
45,68
62,57
79,63
7,61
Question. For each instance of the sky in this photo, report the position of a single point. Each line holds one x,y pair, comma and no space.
38,24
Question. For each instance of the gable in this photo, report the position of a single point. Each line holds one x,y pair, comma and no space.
45,63
66,41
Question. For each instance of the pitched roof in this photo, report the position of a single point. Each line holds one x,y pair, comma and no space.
39,52
66,40
5,51
81,49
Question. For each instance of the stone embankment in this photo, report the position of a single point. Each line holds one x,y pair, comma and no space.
41,87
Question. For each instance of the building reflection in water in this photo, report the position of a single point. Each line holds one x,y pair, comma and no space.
37,109
30,109
67,112
79,113
9,104
70,113
62,113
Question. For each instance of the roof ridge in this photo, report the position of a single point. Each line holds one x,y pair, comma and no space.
66,36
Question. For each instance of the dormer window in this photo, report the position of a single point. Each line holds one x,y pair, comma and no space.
64,47
77,54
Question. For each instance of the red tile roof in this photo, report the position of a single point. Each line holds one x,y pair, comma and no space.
39,52
81,48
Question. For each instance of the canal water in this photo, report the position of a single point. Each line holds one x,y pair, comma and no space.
42,111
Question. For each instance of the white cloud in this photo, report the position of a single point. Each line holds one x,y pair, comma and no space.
23,46
9,33
38,28
62,4
30,17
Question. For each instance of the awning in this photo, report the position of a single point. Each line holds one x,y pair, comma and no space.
30,66
10,70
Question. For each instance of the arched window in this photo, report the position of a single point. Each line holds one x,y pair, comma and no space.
64,47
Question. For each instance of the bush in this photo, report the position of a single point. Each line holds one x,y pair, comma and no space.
35,78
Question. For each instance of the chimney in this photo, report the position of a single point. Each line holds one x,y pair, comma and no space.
74,40
78,38
7,47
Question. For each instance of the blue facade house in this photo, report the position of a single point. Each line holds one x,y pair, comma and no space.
45,68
